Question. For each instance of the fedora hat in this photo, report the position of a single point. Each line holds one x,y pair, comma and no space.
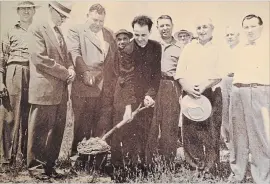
26,4
183,31
123,31
62,7
196,109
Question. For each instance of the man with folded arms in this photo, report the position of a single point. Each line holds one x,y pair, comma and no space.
249,107
197,73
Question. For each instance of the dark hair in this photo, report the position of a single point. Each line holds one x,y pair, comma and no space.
97,7
250,16
164,17
142,20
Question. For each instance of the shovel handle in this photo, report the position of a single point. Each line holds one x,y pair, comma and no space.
123,122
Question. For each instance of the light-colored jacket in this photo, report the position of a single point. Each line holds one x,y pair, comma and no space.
87,54
48,66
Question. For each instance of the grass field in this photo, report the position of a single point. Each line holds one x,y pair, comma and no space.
177,174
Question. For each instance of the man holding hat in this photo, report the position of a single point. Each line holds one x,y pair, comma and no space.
15,65
123,38
51,70
197,73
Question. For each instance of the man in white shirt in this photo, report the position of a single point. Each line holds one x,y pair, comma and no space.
249,106
197,71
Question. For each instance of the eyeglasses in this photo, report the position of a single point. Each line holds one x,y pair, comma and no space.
60,14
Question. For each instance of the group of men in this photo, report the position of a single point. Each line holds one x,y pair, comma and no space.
112,74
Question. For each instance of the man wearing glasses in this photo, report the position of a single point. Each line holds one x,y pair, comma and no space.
184,37
51,70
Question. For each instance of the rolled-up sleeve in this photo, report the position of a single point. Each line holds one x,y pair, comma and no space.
5,47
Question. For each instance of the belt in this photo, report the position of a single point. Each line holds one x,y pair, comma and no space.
18,63
239,85
167,77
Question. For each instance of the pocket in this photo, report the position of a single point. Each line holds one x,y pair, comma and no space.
13,80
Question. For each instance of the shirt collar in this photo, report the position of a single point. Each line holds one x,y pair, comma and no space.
254,43
173,42
99,34
18,25
209,43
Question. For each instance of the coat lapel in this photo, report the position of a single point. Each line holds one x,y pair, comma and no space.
88,34
107,40
53,39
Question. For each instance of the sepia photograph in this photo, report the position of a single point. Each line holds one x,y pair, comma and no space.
134,91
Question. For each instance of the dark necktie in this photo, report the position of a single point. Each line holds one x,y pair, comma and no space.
61,40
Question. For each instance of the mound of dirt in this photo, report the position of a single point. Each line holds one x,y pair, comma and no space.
93,146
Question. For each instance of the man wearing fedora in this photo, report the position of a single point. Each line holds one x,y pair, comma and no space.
197,73
122,38
94,51
163,133
51,70
250,105
15,65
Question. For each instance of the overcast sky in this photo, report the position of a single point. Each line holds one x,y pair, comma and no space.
121,13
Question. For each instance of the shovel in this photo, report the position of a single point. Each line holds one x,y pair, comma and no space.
97,145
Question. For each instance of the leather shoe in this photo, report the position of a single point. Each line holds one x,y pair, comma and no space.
53,174
38,175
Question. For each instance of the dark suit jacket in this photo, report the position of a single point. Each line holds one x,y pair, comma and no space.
140,71
85,50
48,66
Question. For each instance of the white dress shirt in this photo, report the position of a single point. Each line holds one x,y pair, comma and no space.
198,63
251,65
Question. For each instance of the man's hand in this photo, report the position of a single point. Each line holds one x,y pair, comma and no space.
192,90
3,90
128,113
88,79
71,76
200,88
148,101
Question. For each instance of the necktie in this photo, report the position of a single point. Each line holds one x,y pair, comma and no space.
61,40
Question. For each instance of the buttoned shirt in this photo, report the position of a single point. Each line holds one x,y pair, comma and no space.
15,47
198,63
170,56
251,65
